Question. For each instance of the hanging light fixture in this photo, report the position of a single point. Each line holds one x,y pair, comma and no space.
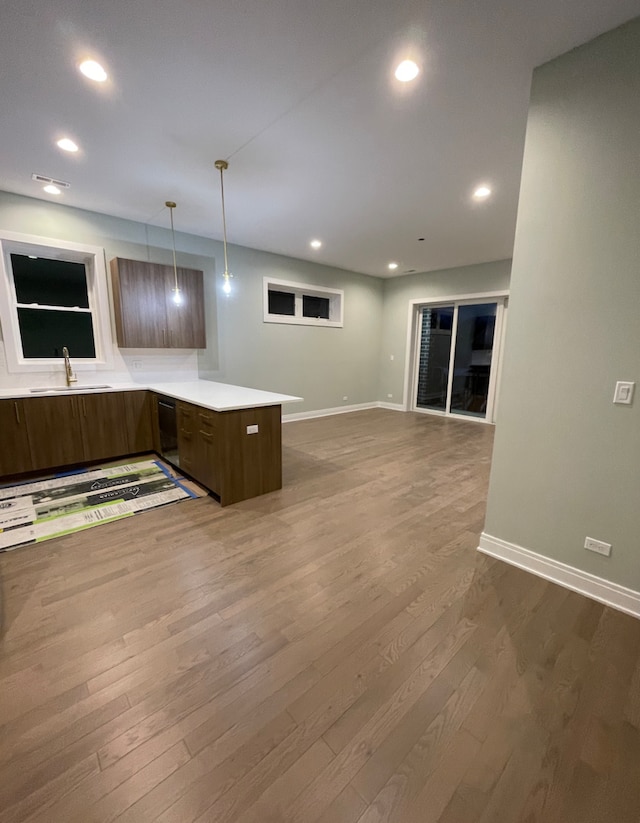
177,294
222,165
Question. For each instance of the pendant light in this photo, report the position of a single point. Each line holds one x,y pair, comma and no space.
177,294
222,165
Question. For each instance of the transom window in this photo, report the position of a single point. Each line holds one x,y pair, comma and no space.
302,304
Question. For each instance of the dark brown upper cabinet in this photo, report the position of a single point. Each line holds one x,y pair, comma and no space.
146,314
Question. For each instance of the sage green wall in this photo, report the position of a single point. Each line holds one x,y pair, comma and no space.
567,461
398,292
320,364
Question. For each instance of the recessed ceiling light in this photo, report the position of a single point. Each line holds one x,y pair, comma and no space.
406,71
392,266
315,244
51,189
482,192
93,71
66,144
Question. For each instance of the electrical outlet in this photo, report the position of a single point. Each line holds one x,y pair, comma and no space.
345,397
252,429
597,546
137,365
389,396
391,357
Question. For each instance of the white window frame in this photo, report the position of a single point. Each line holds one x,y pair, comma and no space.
336,303
416,305
93,259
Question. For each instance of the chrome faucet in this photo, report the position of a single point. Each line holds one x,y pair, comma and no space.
68,371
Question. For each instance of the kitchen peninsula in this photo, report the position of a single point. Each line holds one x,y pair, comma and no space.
228,438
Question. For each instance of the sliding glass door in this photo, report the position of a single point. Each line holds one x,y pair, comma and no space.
434,357
455,362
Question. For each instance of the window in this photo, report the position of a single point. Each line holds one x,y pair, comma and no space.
282,302
318,307
53,294
302,304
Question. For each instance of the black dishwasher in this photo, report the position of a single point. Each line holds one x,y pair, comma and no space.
168,425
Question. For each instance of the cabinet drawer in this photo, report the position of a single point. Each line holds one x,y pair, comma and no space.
207,419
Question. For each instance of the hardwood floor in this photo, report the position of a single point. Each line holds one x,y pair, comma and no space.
336,651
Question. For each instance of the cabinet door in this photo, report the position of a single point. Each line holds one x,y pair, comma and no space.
206,469
187,450
15,456
137,406
139,298
104,425
55,435
185,320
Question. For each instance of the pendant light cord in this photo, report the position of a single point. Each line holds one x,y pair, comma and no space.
171,206
221,165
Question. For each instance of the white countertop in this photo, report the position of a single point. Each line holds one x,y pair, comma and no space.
53,391
210,395
221,396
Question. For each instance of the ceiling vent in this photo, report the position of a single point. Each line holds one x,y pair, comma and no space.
40,178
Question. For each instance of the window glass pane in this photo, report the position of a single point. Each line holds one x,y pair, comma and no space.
435,348
472,362
315,306
49,282
282,302
44,333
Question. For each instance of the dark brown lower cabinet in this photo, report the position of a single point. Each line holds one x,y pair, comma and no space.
103,425
15,456
250,464
80,428
137,405
55,437
235,454
187,452
208,459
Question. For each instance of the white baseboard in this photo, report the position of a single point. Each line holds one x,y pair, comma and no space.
390,406
611,594
309,415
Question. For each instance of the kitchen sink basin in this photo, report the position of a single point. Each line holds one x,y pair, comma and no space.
56,389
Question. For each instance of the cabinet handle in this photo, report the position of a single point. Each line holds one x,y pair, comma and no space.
164,337
17,411
206,435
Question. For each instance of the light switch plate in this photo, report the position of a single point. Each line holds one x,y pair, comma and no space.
624,392
252,429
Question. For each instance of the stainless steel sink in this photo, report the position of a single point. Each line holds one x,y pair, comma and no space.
56,389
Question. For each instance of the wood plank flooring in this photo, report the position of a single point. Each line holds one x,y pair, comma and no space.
335,652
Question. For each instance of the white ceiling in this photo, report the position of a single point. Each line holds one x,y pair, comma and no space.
299,95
